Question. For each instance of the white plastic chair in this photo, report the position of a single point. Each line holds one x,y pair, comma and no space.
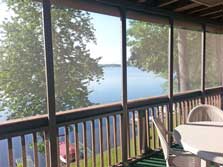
174,158
205,113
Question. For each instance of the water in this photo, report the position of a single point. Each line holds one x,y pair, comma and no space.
108,89
140,84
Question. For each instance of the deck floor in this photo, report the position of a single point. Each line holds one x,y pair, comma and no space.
156,160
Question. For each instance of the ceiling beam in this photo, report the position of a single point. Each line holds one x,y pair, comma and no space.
208,10
178,5
187,7
165,3
210,3
132,5
217,17
198,9
211,13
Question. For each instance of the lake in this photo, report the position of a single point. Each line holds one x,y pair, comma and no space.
140,84
108,89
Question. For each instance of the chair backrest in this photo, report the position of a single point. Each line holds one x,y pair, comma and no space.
205,113
162,136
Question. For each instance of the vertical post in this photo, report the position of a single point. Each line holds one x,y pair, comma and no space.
124,120
203,63
170,77
50,82
221,100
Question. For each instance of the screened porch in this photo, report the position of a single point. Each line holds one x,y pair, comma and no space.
81,80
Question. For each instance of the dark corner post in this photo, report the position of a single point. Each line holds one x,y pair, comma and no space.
203,63
52,131
124,116
170,77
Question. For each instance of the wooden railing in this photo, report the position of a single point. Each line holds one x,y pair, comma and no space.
95,132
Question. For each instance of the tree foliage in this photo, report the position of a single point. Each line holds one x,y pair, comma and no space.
22,65
148,44
147,54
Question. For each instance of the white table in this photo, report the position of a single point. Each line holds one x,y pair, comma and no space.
204,139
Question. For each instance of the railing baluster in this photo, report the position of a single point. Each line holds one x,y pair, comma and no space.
115,137
93,143
162,114
128,135
134,133
188,107
185,111
58,149
175,111
85,144
211,102
178,113
160,117
191,104
219,101
108,140
35,150
154,131
181,115
147,128
216,98
67,146
23,142
158,112
167,119
215,102
10,152
76,136
120,136
46,141
101,143
213,99
139,132
150,128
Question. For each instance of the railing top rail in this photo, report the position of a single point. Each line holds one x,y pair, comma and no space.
145,102
88,112
187,95
25,125
213,90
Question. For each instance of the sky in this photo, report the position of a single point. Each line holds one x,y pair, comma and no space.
108,36
107,33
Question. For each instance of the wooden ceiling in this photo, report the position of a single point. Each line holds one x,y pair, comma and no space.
205,9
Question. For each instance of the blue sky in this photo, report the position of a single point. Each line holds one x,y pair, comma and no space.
107,33
108,36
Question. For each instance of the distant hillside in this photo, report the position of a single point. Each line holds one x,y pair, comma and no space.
109,65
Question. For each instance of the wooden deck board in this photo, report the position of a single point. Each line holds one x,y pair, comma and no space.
156,160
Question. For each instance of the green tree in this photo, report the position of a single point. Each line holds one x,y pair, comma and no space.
22,72
148,44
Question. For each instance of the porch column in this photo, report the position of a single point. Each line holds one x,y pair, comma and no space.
48,49
170,77
203,63
124,115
